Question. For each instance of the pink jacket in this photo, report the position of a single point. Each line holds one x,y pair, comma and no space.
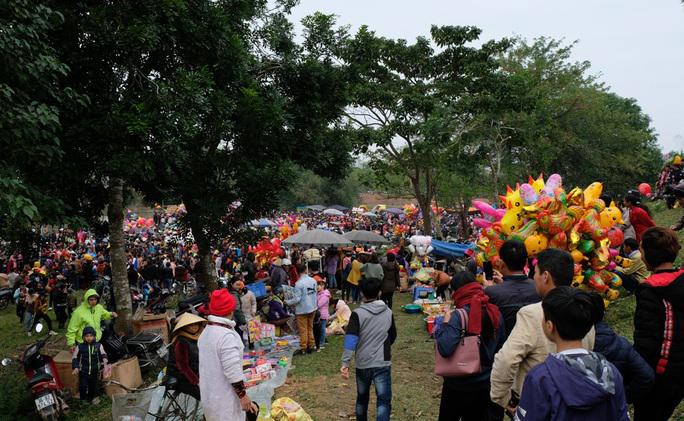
324,304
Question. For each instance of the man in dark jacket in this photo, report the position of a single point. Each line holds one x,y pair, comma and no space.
658,318
637,375
516,290
390,280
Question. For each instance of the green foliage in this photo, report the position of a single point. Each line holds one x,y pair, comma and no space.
411,103
31,98
562,120
308,188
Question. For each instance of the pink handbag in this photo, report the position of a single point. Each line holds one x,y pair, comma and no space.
465,361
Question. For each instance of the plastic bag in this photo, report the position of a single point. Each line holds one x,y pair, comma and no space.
285,409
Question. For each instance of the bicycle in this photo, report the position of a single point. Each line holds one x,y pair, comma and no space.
174,406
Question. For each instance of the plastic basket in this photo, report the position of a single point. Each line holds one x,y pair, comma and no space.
131,406
258,288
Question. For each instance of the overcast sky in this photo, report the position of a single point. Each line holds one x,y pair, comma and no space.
636,45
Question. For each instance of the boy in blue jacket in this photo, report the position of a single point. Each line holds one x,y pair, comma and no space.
89,357
572,384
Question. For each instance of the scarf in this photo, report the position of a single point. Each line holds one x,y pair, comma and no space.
473,294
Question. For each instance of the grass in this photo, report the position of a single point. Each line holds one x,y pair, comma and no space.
315,382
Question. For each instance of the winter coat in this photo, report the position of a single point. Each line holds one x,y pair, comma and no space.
249,304
83,316
89,358
220,365
580,387
390,279
525,348
514,293
640,221
447,338
354,276
183,360
304,296
661,297
636,373
370,335
323,299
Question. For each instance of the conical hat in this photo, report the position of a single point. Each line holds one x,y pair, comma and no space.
186,319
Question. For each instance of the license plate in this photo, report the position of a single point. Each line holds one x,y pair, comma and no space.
45,401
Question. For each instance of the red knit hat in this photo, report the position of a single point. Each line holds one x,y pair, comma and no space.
221,302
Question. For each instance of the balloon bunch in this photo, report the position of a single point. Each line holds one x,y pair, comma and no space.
266,250
138,224
411,211
400,229
542,215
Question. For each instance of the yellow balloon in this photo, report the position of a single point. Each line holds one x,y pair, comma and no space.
592,193
611,216
536,244
511,221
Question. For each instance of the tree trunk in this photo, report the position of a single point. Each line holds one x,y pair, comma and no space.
205,271
122,292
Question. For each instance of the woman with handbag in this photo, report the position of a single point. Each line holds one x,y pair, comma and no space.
465,346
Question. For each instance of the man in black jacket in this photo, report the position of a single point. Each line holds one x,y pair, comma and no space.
515,290
658,321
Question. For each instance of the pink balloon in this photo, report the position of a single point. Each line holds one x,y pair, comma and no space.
481,223
149,223
141,221
611,266
614,252
485,209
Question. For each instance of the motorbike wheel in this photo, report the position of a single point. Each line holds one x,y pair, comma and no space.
4,303
50,414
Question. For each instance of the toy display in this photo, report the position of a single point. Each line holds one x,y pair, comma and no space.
543,214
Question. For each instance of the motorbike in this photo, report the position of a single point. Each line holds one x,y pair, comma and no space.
43,380
148,346
5,297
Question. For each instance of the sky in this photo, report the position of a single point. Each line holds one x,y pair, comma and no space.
637,46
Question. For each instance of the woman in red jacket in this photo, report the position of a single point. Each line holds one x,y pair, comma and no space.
639,215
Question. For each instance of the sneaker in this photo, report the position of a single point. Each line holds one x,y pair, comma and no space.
318,349
29,334
52,333
95,401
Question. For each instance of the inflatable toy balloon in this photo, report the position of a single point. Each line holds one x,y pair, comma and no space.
592,193
512,200
559,241
528,195
645,189
554,182
611,266
596,282
538,184
598,205
534,244
577,256
487,210
528,229
616,237
590,225
481,223
577,280
611,216
586,246
149,222
511,221
140,221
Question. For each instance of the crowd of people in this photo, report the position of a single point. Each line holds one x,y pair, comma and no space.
535,332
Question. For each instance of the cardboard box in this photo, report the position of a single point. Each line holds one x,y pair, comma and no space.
126,372
149,321
63,363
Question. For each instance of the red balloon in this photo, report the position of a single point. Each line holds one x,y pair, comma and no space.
645,189
149,223
141,221
616,237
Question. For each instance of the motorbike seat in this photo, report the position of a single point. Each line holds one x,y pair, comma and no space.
38,378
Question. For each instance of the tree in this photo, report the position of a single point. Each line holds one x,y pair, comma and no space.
411,105
561,119
32,95
241,104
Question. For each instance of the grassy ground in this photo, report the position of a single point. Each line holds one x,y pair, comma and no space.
315,382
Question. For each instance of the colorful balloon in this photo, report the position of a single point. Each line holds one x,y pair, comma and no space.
554,182
616,237
534,244
645,189
528,195
611,216
511,221
592,193
538,184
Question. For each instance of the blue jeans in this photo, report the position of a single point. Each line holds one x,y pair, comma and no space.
354,292
332,281
382,377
